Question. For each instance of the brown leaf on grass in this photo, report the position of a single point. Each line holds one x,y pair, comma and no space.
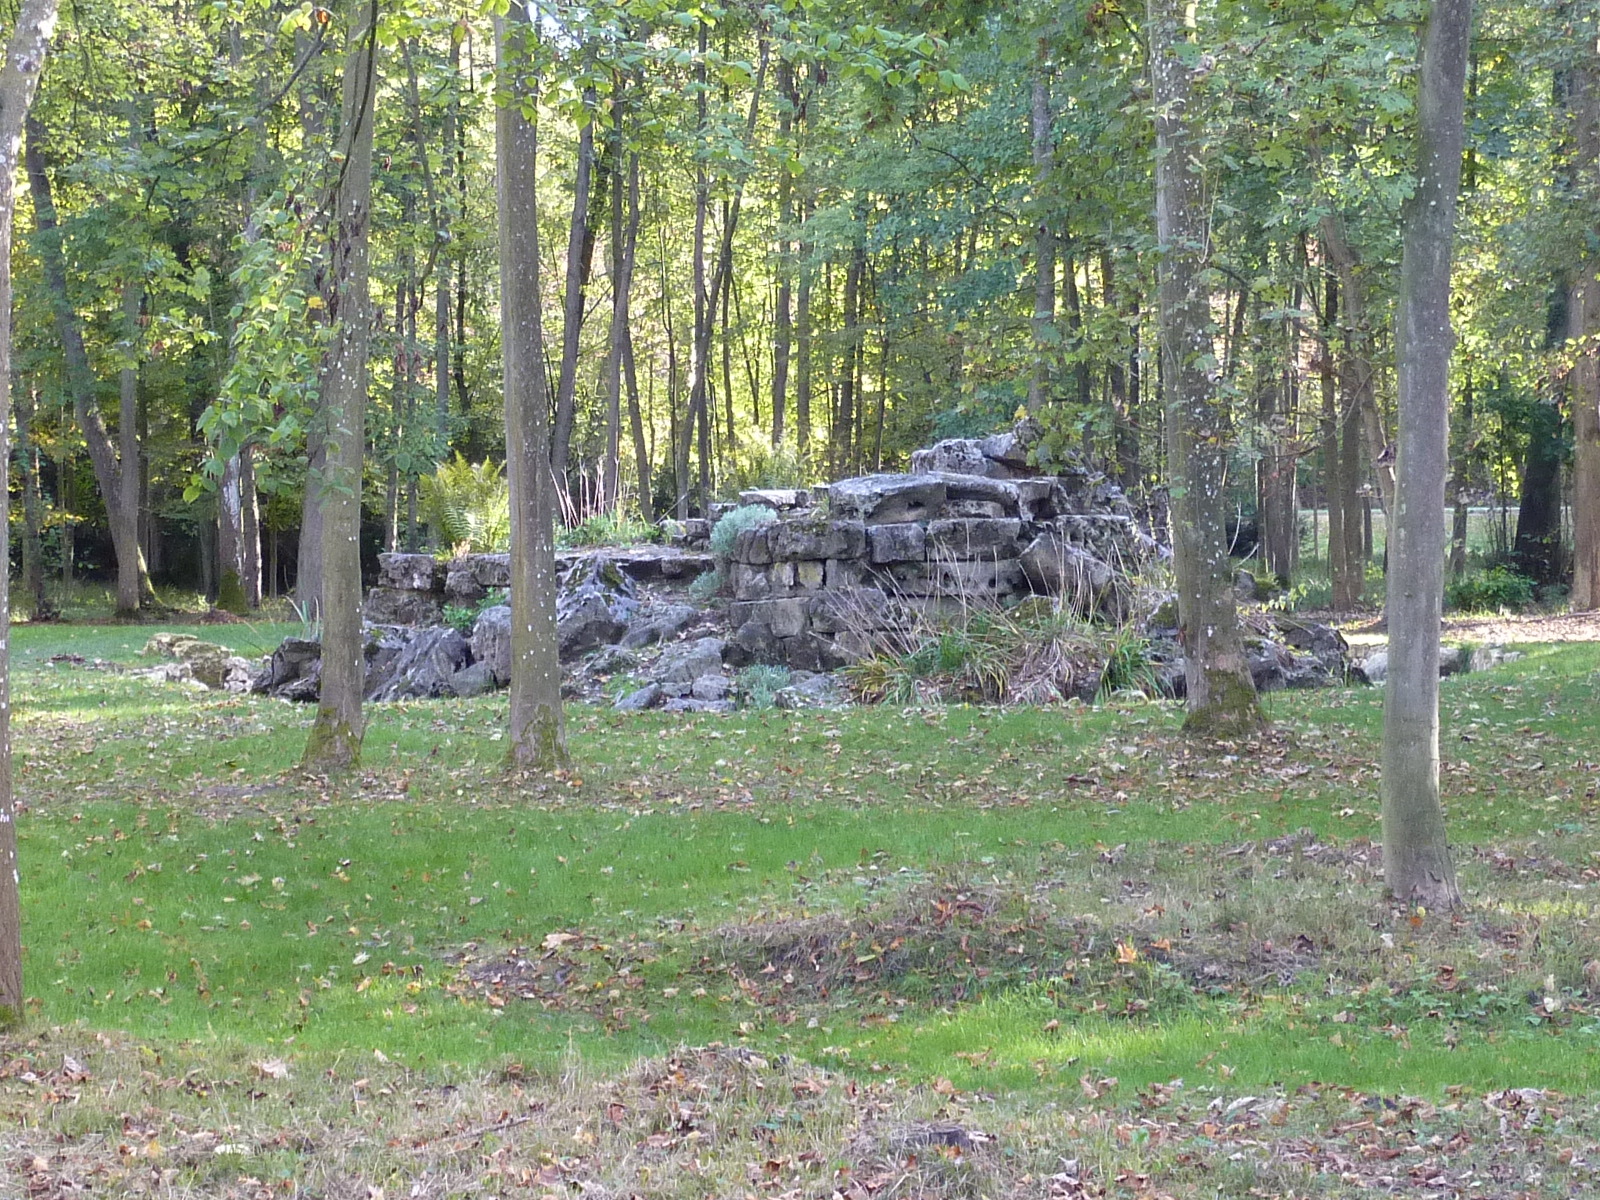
271,1068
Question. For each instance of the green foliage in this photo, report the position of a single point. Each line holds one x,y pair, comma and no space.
1498,589
758,685
612,528
230,594
759,465
733,523
468,505
706,586
462,617
1128,667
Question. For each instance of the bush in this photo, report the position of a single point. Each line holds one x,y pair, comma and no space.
614,528
705,587
758,686
735,522
1498,589
462,617
469,506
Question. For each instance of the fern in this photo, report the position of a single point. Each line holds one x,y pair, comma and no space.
469,506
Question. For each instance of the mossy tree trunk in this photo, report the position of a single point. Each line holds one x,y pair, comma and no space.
1221,694
335,740
1416,856
19,80
538,737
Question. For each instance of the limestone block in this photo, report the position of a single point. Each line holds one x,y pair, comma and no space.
978,579
753,545
978,537
843,573
410,572
795,540
809,576
749,582
903,542
887,499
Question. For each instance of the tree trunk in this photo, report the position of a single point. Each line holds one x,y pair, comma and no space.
1221,695
1583,318
249,528
133,580
230,539
538,738
335,739
580,250
1416,857
19,79
1046,342
1537,549
782,316
33,576
624,241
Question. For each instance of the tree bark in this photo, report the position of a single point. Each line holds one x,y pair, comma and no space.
133,580
538,734
335,739
1416,856
249,528
783,303
19,80
1045,339
580,248
33,575
1221,695
1583,317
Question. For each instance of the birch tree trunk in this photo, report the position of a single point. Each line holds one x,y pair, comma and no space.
19,79
1045,340
1416,857
538,739
335,739
1221,695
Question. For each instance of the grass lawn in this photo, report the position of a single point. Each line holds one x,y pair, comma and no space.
867,953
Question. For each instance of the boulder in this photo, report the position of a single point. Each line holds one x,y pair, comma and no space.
887,499
711,687
214,666
662,625
640,699
899,542
424,668
491,642
1055,567
594,602
1245,586
777,499
473,680
689,705
410,572
810,691
688,661
398,606
293,672
974,537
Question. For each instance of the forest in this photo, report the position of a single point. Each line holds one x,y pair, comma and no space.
782,599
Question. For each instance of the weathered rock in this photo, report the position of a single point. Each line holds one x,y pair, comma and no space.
900,542
612,660
640,699
809,691
711,687
215,667
698,706
293,672
791,541
967,538
1055,567
1245,587
473,680
777,499
491,642
410,572
395,606
594,603
688,661
423,669
887,499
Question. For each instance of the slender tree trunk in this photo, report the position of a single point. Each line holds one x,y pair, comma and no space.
133,580
19,79
33,575
782,316
1461,482
335,739
802,351
624,240
1416,856
1332,461
1045,338
641,448
700,345
580,249
538,735
1583,318
230,539
249,528
1221,695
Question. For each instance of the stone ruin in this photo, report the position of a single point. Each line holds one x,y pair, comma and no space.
974,522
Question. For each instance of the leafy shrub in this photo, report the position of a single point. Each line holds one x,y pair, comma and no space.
1128,667
462,617
614,528
1495,590
758,686
706,586
469,506
733,523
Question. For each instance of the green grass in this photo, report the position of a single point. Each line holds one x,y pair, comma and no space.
182,883
1024,901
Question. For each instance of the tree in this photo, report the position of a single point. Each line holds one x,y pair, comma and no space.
19,80
1583,315
538,734
1221,695
1416,857
335,739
